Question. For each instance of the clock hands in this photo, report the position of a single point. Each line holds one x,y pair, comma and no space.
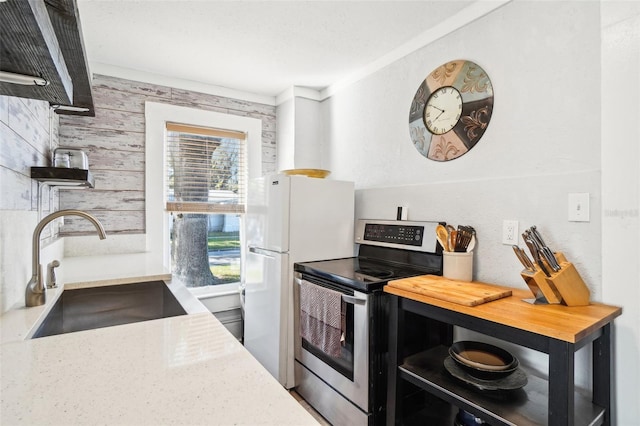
439,109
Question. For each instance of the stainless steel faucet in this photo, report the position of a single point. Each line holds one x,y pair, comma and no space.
35,294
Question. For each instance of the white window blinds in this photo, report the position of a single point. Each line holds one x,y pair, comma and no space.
206,169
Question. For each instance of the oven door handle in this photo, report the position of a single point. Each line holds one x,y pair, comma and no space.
353,300
345,297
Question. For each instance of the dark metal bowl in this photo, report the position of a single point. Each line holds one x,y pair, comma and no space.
483,360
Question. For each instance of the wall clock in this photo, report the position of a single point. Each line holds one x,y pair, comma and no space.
451,110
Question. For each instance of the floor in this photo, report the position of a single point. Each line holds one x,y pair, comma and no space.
309,408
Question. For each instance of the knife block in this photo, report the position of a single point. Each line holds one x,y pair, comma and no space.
543,291
569,284
565,286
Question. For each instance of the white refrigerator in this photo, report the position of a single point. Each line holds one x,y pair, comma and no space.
289,219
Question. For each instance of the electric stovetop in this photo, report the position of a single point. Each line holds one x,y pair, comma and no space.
369,274
387,250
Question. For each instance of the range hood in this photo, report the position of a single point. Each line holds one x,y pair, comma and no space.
63,176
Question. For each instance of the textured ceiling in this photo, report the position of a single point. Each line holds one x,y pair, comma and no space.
261,47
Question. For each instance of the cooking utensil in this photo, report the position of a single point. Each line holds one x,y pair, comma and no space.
464,236
472,243
456,240
453,236
443,237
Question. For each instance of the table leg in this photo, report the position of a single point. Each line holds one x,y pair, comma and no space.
396,339
561,383
601,371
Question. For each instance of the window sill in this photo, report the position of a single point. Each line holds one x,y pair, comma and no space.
215,290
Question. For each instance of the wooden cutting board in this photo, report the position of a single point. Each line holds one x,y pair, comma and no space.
461,292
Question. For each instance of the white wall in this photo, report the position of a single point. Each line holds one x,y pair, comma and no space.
285,135
544,141
299,134
308,154
539,146
621,194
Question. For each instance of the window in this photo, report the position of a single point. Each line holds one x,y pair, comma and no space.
197,166
205,194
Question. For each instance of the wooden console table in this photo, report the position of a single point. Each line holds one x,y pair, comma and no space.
556,330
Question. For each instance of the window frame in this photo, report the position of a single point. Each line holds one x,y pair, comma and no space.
157,239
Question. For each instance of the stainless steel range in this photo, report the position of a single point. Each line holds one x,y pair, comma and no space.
341,318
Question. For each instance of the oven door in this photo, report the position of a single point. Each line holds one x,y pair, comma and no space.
348,371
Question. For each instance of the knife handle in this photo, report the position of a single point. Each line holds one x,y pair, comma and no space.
519,254
527,261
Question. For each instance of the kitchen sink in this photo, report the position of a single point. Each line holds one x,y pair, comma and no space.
106,306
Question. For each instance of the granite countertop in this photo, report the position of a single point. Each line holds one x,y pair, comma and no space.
181,370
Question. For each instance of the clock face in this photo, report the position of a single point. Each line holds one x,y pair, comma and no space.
451,110
443,109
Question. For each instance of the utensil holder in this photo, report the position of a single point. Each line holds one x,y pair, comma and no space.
457,265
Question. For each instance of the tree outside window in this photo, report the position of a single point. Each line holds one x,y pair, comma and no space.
206,176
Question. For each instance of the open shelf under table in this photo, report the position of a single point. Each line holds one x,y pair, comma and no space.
525,406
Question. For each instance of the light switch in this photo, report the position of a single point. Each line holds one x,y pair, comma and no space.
578,207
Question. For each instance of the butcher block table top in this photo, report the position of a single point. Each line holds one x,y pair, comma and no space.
567,323
460,292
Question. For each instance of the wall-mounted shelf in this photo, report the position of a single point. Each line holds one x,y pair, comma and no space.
61,176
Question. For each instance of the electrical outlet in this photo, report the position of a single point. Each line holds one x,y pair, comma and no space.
510,232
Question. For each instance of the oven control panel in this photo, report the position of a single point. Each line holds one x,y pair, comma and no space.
411,235
398,234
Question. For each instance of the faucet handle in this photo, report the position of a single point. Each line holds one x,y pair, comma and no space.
51,274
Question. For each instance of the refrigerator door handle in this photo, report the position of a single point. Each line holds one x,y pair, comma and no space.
261,252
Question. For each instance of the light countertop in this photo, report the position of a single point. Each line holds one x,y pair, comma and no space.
181,370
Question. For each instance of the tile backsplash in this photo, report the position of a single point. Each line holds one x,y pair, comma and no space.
26,141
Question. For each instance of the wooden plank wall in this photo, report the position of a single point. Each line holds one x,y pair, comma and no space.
114,141
24,136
